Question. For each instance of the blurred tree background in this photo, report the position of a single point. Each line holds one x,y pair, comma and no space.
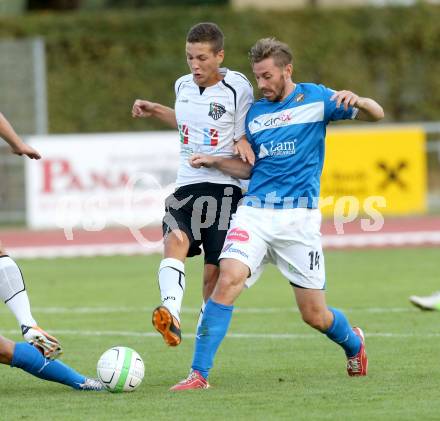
99,62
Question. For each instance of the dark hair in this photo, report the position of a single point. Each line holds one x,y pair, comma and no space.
271,47
207,32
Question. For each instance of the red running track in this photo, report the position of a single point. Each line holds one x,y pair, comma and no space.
396,232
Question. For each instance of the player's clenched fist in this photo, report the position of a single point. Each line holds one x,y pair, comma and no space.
142,108
199,160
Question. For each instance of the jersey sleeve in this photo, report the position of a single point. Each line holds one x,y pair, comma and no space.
179,84
245,98
331,113
247,131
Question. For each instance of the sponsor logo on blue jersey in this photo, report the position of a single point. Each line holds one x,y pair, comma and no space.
277,149
268,121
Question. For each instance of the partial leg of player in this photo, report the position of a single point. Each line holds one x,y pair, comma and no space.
13,293
26,357
47,344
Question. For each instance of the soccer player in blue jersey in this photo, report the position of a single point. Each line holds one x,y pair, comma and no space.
279,220
35,357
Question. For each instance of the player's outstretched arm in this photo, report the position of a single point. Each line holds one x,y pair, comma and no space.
231,166
18,147
143,109
369,110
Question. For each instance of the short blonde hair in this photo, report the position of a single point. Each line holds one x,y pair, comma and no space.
271,47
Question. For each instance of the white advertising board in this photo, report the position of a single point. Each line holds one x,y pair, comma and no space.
96,180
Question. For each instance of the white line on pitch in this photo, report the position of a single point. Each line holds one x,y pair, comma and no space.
244,310
230,335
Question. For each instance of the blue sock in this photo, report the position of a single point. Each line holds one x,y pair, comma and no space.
212,330
29,359
341,332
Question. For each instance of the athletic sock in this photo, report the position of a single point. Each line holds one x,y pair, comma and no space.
342,333
172,284
202,309
13,291
212,330
29,359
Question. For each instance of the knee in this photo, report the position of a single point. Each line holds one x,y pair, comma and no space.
176,238
232,274
315,318
228,287
231,281
227,279
176,244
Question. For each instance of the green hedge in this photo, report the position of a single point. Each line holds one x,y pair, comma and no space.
98,63
148,3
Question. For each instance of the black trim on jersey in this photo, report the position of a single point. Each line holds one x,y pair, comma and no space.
201,89
180,84
4,255
204,186
178,88
244,77
233,90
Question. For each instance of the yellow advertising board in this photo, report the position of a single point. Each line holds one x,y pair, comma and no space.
386,166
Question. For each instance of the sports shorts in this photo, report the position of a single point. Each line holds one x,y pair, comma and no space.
203,212
288,238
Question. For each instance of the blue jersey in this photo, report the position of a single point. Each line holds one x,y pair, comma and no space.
287,138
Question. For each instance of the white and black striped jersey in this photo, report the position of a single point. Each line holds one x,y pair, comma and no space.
209,121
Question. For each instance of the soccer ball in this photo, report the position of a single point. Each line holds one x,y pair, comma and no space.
120,369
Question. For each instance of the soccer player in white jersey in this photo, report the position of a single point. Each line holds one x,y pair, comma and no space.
210,111
36,356
278,220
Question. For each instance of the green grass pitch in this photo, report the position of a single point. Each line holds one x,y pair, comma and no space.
281,368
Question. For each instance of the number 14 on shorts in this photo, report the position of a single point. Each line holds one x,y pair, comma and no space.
314,259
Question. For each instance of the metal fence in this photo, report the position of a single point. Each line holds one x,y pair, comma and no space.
23,84
23,101
433,161
12,187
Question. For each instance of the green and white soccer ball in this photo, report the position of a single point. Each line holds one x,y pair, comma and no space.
120,369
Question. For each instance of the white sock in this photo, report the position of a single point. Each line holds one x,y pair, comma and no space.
13,291
202,309
172,284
